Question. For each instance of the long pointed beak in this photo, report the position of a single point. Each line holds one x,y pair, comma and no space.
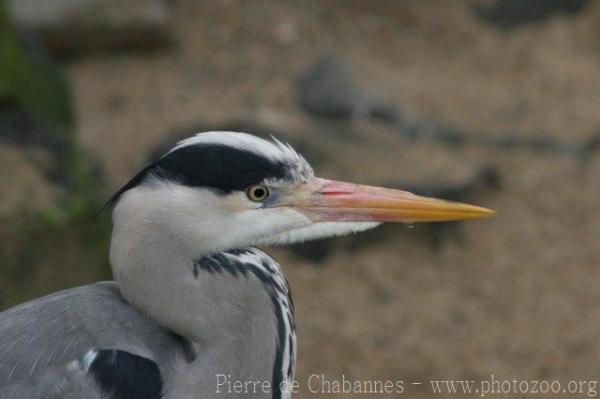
327,200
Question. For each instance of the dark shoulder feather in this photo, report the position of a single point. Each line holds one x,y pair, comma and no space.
123,375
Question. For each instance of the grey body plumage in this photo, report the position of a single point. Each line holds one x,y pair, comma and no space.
48,345
44,342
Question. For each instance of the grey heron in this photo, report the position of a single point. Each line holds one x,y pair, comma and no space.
195,304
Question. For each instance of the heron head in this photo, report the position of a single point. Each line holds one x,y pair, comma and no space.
223,190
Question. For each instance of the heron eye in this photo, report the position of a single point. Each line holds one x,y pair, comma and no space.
257,193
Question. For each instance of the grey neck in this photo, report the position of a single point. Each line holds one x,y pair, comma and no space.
235,313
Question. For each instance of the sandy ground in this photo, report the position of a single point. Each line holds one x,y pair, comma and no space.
517,296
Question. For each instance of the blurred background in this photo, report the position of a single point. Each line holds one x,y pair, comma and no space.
492,102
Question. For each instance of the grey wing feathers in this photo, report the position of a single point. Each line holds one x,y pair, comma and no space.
43,343
64,384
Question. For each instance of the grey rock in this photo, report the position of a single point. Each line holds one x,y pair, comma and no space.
73,27
328,90
508,14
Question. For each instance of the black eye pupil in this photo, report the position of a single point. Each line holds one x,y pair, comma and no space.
257,193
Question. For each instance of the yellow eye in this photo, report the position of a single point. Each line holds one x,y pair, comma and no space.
257,193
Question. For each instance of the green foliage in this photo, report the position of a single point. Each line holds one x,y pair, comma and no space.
39,256
62,246
67,244
33,83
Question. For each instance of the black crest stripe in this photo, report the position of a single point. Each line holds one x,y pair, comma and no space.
220,167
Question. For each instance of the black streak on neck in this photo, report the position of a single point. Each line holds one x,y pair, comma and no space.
218,263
